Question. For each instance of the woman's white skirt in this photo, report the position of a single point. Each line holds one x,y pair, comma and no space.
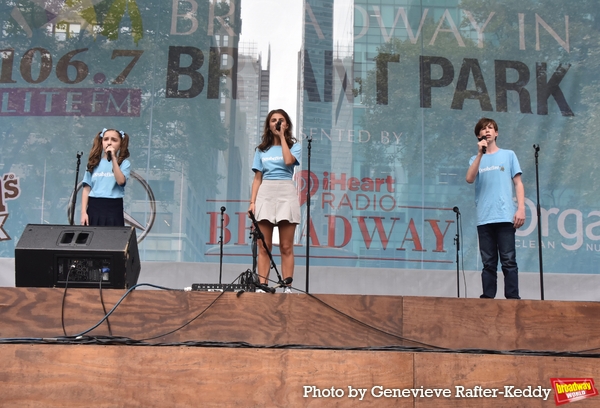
277,200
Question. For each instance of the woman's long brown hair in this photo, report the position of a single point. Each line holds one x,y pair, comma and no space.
268,138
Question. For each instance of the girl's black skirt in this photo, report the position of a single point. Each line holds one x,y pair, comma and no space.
105,212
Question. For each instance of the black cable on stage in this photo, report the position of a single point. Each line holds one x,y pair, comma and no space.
186,323
62,308
102,302
117,305
125,341
588,350
79,338
195,317
360,322
575,353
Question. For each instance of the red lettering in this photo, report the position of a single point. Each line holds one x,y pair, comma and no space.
314,239
328,200
353,184
390,184
325,181
341,182
415,237
392,207
439,237
242,228
368,237
345,201
368,203
214,226
367,185
331,231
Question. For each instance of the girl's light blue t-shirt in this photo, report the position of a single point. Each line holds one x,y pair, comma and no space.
102,181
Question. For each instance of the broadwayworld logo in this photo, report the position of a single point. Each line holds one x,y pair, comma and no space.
572,389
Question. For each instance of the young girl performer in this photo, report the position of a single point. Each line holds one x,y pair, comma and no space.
274,200
104,182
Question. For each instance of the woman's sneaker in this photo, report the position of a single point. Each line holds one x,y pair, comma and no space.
287,289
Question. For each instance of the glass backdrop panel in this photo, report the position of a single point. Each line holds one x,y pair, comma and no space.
386,94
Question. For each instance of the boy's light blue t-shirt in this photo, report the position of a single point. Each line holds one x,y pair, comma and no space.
271,163
102,181
494,187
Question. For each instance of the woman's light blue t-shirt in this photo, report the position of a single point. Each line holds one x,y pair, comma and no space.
270,163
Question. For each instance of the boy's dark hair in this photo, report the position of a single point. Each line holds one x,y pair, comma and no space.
483,122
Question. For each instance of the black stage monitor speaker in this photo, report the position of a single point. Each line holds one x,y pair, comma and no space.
78,256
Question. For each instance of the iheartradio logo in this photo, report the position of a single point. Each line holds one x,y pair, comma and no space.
302,183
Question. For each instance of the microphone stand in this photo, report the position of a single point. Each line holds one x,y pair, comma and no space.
254,232
308,214
258,234
536,148
457,243
74,202
221,246
254,254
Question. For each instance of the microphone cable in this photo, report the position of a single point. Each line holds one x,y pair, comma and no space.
131,289
102,272
362,323
239,277
64,297
370,326
103,340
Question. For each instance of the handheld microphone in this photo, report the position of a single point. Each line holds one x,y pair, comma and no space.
278,125
108,156
484,148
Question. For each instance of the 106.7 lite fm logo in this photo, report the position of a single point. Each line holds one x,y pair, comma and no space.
91,66
58,101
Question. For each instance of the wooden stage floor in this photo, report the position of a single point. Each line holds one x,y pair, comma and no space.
175,348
